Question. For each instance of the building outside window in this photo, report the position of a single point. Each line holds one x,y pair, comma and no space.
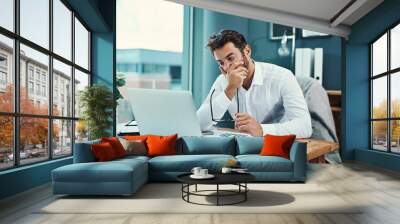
43,90
3,72
30,72
38,89
37,74
30,87
3,61
3,78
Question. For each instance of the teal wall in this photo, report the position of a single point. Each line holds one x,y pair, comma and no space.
265,49
102,58
104,52
356,126
186,48
99,15
24,178
103,64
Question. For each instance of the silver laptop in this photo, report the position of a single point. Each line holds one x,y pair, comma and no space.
164,112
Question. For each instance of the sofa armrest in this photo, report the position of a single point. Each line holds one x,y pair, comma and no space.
298,155
83,152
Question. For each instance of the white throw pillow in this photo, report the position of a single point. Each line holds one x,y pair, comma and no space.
134,147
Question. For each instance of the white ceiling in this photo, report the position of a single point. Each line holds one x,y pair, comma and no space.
320,9
324,16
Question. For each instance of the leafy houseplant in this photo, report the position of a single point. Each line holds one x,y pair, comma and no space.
120,82
97,105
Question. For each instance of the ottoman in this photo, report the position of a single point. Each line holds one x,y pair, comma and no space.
118,177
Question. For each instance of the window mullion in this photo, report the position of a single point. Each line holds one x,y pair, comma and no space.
389,106
16,84
371,137
50,81
73,82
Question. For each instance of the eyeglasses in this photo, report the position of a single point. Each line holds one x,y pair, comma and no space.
223,120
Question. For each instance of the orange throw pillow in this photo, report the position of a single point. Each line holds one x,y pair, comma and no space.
116,145
103,152
161,145
277,145
135,137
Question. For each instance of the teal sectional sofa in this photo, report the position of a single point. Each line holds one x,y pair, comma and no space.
125,176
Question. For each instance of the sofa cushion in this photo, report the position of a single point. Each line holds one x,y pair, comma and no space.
83,152
134,147
112,171
185,163
103,152
206,145
161,145
257,163
275,145
116,145
248,145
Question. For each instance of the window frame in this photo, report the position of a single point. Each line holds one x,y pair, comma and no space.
388,74
16,114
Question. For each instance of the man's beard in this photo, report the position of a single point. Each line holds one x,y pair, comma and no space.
246,62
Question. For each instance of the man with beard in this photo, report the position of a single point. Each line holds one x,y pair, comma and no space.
270,99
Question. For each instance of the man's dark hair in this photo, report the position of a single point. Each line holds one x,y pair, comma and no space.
218,40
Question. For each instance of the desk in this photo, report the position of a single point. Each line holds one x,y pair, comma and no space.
316,149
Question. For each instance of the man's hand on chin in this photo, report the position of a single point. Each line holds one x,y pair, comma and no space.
246,123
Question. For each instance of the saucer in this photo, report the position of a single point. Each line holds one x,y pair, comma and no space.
208,176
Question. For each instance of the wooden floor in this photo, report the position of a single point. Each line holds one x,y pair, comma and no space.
378,188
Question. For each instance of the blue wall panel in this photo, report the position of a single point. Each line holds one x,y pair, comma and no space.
24,178
102,58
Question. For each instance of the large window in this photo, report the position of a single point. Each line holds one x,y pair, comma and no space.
385,91
40,80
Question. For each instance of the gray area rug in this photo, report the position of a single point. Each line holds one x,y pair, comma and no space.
166,198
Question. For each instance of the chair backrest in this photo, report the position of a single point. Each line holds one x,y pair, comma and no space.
248,145
206,145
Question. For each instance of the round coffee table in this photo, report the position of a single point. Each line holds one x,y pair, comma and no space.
238,179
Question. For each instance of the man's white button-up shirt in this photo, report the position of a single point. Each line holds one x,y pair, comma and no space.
274,99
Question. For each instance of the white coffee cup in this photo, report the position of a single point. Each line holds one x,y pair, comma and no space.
226,170
196,171
203,172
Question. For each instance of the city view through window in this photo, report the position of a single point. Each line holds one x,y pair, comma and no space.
149,49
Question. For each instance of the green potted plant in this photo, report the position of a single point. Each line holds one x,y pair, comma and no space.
97,104
120,81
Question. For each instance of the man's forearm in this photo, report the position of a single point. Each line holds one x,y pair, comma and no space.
301,127
230,92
